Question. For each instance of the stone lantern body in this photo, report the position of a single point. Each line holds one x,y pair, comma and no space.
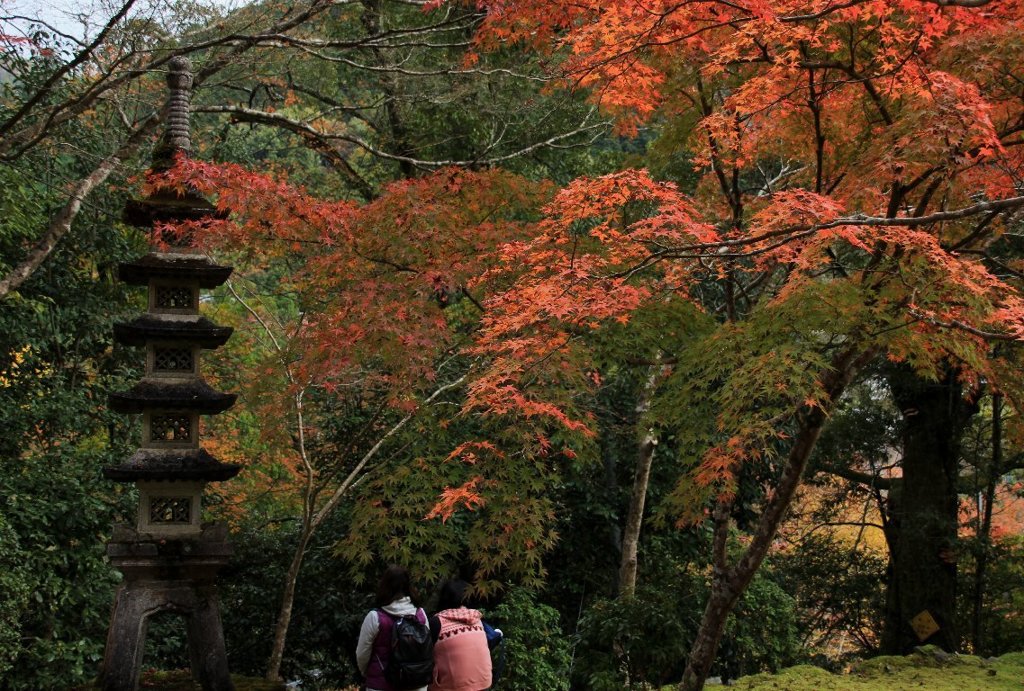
168,557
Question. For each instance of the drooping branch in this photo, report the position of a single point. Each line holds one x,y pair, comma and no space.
315,139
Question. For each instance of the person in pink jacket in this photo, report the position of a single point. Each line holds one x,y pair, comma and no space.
462,660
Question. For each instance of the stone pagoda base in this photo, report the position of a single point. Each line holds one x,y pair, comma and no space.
167,575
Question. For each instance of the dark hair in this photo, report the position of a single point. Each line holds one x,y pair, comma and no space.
453,594
394,584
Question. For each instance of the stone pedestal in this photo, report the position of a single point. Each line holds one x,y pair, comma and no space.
178,576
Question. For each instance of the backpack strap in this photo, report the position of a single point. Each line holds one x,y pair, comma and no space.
382,614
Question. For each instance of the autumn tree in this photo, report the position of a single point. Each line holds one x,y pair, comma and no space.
858,163
373,90
375,318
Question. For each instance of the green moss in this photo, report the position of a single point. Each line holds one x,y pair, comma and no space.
799,678
1012,659
928,668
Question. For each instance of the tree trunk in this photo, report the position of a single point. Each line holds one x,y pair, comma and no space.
728,584
389,84
638,497
705,645
983,537
634,519
284,616
924,514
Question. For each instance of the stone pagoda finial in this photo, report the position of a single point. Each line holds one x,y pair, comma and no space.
164,204
177,138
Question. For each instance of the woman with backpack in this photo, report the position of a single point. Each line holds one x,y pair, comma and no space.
462,659
395,648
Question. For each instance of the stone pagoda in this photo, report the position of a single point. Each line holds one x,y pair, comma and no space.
169,558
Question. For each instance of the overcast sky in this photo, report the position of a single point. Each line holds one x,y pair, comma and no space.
81,18
63,15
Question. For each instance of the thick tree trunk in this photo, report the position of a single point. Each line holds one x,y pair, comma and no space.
923,515
728,584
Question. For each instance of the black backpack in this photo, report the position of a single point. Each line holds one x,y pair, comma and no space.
411,663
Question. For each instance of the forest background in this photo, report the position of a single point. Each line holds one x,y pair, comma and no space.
687,331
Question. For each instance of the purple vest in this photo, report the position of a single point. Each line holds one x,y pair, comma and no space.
381,650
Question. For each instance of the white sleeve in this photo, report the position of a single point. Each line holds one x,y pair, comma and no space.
367,635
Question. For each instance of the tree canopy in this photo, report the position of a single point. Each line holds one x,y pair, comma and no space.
460,295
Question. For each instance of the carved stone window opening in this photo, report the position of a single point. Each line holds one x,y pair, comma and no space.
173,360
175,298
174,510
176,427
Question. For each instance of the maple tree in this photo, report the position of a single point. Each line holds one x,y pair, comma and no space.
860,166
362,86
373,322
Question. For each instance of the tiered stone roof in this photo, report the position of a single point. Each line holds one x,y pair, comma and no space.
173,393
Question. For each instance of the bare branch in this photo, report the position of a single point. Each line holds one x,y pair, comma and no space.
298,126
45,89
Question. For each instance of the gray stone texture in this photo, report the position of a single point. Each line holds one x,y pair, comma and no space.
163,575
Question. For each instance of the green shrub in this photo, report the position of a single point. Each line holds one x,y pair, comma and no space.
14,586
61,510
637,642
537,652
761,633
643,642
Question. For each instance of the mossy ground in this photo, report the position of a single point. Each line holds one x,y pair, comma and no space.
929,669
